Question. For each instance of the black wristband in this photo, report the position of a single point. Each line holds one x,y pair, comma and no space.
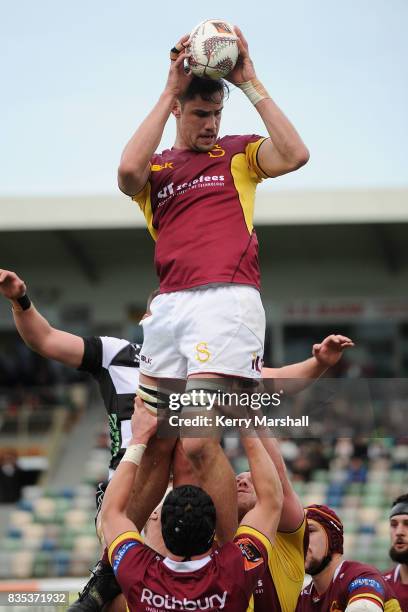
175,50
24,302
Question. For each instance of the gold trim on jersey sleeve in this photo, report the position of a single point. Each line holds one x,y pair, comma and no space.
366,596
145,204
245,183
128,535
251,153
245,530
251,605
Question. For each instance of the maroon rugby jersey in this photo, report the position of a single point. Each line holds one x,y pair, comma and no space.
400,589
199,208
222,581
351,581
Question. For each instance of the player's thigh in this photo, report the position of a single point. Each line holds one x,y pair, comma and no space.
224,332
159,356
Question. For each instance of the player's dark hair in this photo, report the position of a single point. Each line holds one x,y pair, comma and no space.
188,521
401,499
208,89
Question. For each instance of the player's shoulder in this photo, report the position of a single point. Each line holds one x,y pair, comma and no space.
356,568
238,141
118,351
160,158
356,575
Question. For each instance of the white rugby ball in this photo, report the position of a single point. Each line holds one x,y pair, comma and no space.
214,49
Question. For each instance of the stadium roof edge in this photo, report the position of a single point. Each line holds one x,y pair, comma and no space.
272,208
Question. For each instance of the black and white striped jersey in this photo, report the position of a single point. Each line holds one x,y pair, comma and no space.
114,363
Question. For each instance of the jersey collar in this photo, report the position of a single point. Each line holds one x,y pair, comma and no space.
186,566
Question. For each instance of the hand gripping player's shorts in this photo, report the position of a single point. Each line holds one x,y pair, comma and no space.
218,330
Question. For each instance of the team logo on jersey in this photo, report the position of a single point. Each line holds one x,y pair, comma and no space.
158,167
203,354
335,607
121,552
252,556
216,151
370,583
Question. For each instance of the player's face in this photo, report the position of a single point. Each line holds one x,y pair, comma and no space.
318,546
399,538
246,493
199,123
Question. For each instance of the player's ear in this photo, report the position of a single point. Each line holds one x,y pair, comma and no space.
176,110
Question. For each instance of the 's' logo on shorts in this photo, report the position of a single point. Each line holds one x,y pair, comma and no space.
203,354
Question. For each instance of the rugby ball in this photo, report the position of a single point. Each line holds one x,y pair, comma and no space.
213,49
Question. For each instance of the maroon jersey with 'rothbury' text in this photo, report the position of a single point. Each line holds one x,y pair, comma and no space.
400,589
351,581
199,208
223,580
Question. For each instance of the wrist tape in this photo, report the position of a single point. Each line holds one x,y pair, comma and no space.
134,453
23,302
254,90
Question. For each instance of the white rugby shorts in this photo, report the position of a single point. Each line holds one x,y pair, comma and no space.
217,329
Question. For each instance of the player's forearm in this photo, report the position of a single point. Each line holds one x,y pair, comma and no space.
292,512
295,377
283,134
134,165
264,474
33,328
116,497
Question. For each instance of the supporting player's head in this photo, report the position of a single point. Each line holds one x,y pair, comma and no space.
325,538
188,521
245,494
399,529
198,113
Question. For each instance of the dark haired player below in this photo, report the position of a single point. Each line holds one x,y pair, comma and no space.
198,200
193,576
397,577
338,585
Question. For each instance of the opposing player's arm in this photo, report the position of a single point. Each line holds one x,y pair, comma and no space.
35,330
297,376
115,502
134,168
284,151
265,515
